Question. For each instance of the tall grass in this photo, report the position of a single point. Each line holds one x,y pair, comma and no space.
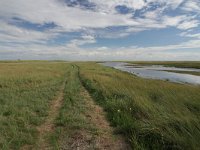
152,114
25,92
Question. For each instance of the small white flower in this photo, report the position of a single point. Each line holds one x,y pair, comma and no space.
118,110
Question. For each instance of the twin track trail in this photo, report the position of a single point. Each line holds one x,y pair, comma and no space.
81,139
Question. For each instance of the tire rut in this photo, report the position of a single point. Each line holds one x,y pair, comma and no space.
105,138
48,126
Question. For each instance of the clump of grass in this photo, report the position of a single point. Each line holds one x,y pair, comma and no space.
152,114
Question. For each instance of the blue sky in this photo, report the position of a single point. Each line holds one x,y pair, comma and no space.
100,29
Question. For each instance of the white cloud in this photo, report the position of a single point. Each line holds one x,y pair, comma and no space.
192,6
86,39
92,24
76,19
187,34
173,21
69,18
173,4
73,18
188,24
38,51
108,6
11,33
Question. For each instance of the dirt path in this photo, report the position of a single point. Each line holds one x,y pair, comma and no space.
48,126
105,139
96,133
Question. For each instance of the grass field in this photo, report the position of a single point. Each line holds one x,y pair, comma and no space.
25,92
150,114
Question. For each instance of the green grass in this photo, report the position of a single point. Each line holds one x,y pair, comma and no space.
180,64
152,114
25,92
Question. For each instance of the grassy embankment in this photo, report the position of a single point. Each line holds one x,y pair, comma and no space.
152,114
25,92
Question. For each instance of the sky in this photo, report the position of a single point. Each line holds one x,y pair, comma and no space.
100,29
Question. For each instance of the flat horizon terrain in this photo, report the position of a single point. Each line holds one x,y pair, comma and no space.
85,105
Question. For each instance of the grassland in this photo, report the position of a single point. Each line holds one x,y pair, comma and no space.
25,92
151,114
43,105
